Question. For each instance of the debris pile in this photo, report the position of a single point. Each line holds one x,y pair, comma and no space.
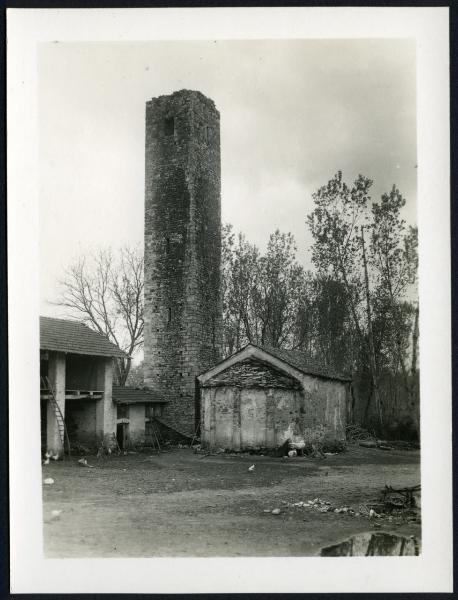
396,505
321,505
401,498
367,439
355,433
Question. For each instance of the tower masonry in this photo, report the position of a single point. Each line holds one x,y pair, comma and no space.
183,304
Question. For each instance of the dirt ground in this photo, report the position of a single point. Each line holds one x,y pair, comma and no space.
183,504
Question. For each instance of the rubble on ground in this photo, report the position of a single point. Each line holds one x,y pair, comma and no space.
368,439
355,433
396,505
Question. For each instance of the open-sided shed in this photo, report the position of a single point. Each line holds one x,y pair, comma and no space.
136,411
76,377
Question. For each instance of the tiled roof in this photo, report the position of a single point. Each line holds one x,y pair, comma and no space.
129,395
63,335
300,361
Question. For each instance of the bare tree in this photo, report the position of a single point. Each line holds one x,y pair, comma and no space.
280,291
262,292
240,267
105,291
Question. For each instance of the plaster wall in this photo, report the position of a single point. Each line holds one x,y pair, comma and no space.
56,373
242,417
137,424
105,416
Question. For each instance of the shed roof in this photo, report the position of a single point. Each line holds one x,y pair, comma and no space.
130,395
285,359
300,361
74,337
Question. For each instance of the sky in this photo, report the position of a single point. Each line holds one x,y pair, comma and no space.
293,113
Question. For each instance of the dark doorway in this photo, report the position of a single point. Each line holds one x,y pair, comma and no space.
122,435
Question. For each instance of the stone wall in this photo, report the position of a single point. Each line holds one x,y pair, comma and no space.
183,306
245,416
326,407
253,373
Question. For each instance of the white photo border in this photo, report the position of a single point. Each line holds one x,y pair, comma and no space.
30,571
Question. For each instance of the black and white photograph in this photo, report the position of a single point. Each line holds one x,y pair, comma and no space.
228,297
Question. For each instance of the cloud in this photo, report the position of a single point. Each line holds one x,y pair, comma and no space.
292,114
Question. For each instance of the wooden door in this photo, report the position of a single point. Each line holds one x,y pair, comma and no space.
253,418
122,435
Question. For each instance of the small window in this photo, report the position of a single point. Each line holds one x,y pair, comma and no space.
153,410
167,245
169,126
122,411
169,315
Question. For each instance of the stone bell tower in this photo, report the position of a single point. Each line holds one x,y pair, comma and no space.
183,304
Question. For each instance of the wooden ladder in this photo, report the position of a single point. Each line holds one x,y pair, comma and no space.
196,435
156,434
63,433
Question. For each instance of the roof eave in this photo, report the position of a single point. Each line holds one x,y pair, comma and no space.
263,354
118,354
